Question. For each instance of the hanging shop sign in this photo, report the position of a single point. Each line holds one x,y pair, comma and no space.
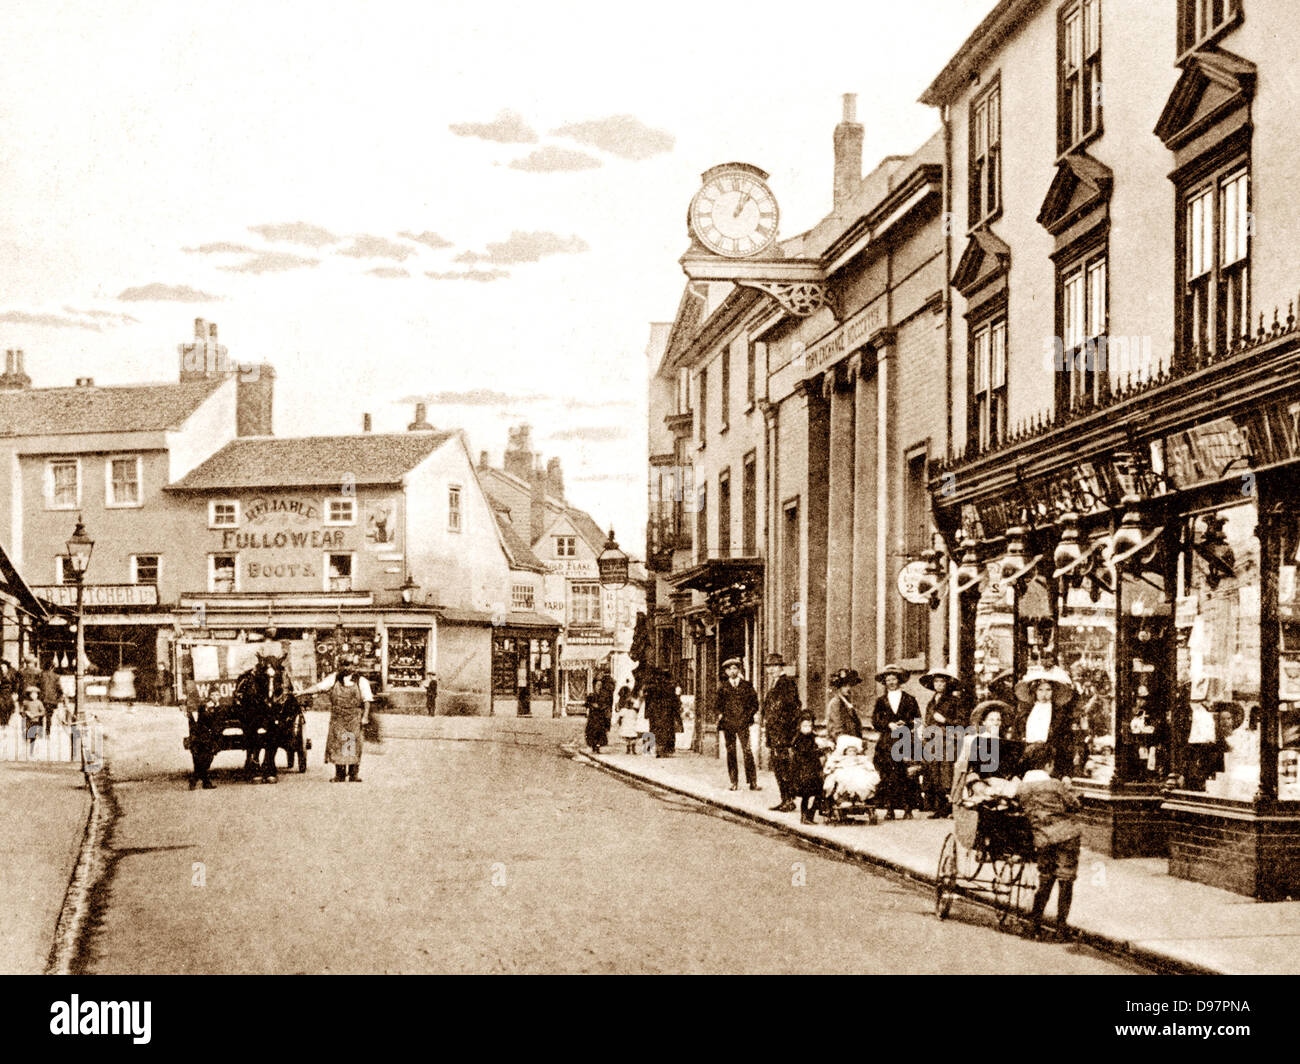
909,582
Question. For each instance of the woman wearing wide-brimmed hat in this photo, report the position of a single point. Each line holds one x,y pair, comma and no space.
841,717
893,718
1044,696
986,719
945,709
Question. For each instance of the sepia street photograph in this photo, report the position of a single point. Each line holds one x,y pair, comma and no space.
683,489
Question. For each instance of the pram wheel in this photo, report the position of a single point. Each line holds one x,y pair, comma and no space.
945,878
1007,887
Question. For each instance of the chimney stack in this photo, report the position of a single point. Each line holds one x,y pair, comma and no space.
14,379
204,358
421,423
365,422
848,153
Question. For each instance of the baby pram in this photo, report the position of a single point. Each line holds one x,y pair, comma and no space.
849,782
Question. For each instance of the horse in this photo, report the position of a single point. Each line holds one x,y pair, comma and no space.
267,709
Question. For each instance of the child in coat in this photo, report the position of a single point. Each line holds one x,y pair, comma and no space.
806,770
1049,804
33,712
627,721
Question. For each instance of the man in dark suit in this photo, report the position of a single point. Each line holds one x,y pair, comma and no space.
737,703
781,722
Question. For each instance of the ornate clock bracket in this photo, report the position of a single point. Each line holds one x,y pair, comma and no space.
798,286
800,298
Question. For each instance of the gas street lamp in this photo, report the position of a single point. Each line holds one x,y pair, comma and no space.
80,547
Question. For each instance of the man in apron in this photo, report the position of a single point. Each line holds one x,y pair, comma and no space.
349,701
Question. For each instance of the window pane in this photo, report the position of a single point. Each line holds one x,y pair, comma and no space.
1073,40
982,361
1072,311
1092,26
998,355
1236,223
1096,299
1200,234
995,117
63,476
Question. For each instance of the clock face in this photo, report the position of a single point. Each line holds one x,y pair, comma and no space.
734,214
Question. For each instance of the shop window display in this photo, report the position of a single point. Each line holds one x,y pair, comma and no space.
1218,619
1085,643
1145,720
1288,610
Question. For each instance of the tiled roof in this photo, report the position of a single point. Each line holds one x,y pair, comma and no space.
301,461
521,556
130,408
586,527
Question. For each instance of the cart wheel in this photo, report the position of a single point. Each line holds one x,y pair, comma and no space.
1006,887
945,878
300,750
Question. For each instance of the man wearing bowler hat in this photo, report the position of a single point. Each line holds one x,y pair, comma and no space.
737,703
781,722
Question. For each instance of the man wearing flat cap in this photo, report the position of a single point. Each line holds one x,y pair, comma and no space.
737,703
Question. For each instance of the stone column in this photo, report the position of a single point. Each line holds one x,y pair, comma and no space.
814,556
862,375
839,537
888,501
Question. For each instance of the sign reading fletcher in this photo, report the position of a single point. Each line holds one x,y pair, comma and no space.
101,594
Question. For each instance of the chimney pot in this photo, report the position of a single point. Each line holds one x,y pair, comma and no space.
200,328
365,422
9,363
212,330
482,459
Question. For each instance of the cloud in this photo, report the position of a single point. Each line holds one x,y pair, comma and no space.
623,135
388,272
592,434
376,247
113,317
272,262
312,236
551,160
221,247
472,397
428,239
53,321
506,128
165,293
526,247
468,275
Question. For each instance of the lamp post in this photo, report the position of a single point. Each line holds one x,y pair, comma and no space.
80,547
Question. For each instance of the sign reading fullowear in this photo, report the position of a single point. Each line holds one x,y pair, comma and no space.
100,594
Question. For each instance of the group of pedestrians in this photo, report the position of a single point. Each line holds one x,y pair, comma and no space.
648,719
32,698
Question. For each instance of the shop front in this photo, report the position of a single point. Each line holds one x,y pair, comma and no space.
395,646
1151,550
724,625
525,671
127,645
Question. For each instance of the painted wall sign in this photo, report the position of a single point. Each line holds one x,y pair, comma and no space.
316,539
100,594
847,338
260,508
582,567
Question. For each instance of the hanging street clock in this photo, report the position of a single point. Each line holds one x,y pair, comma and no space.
734,214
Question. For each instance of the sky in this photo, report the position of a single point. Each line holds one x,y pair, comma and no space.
478,206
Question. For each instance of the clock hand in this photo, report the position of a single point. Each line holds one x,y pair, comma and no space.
740,204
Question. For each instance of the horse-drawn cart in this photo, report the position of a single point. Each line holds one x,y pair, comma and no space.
236,696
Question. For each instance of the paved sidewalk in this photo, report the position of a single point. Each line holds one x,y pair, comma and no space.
43,811
1130,904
